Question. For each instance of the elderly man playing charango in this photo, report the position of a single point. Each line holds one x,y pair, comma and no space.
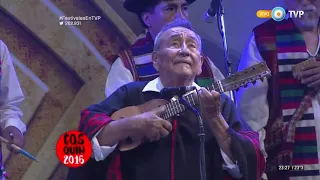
170,150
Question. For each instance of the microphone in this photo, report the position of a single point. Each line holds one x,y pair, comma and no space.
209,15
202,154
169,92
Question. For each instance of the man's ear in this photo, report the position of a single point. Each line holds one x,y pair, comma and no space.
155,58
200,63
146,18
201,59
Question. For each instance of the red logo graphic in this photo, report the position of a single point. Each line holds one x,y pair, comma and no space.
73,149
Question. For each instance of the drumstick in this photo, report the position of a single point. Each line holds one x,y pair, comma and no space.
18,149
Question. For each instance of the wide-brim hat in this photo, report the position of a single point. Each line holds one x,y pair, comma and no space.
139,6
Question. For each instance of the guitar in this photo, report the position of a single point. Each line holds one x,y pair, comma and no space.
233,82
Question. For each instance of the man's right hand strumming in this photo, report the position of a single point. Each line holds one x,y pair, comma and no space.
144,126
149,125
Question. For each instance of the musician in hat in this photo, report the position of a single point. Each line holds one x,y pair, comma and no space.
135,64
170,150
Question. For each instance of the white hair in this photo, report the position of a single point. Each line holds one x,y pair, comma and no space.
175,24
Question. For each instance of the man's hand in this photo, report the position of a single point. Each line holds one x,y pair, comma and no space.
310,75
150,125
211,110
147,125
13,135
210,103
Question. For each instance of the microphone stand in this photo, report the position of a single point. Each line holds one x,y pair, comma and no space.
201,135
222,30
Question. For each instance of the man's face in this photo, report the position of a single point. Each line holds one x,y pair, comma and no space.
179,54
166,11
311,10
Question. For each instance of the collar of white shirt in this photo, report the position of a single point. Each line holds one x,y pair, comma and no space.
156,86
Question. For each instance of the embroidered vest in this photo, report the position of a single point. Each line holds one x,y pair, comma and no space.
138,60
281,45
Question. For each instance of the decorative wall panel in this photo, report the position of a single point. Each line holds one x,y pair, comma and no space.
62,69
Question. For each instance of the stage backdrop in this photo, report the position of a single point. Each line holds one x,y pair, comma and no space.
62,69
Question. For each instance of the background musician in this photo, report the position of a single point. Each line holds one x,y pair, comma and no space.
11,96
172,149
269,106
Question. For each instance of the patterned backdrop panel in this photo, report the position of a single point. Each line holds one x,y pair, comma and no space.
62,69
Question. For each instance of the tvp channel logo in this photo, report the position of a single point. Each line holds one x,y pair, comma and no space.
279,14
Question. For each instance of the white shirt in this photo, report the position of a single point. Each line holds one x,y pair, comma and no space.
11,94
101,152
253,104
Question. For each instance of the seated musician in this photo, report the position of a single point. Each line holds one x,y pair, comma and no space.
171,148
